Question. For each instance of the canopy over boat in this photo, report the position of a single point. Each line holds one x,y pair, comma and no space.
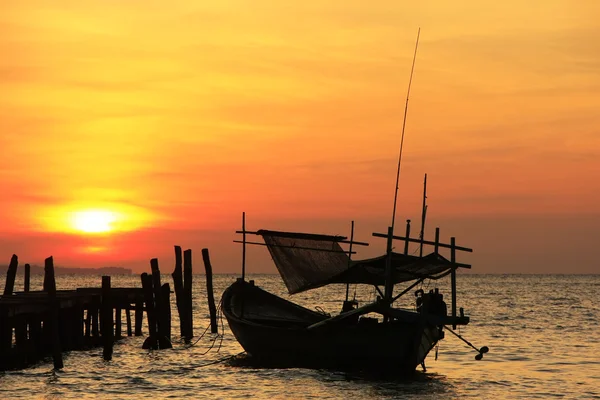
308,261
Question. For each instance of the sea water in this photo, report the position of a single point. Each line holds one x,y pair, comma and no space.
542,330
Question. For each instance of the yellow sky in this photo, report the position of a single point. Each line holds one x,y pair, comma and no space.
177,116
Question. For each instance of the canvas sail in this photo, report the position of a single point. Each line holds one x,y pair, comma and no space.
308,261
305,261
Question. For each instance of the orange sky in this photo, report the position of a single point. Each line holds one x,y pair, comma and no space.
177,116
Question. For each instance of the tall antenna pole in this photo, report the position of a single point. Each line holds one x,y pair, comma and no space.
403,127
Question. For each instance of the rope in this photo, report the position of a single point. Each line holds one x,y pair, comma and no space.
214,362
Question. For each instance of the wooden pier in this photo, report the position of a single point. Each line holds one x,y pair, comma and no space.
39,324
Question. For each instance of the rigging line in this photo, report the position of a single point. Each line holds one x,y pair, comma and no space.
403,128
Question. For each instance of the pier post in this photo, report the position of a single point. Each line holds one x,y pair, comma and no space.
150,342
128,318
11,274
139,316
179,292
187,286
50,287
166,313
88,323
94,311
117,322
164,341
107,320
214,328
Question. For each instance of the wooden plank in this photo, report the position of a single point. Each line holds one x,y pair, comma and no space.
444,245
338,241
297,247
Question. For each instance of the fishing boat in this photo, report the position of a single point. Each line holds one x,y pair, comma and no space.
277,332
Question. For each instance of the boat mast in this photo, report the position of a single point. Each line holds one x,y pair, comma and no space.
423,215
389,286
244,245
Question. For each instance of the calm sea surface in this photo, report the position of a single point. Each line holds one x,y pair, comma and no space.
543,332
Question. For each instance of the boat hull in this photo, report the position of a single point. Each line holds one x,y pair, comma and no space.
275,332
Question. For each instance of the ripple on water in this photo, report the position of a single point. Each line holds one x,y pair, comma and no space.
536,343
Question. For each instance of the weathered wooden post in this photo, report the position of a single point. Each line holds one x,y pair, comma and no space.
50,287
128,318
179,292
166,310
156,284
88,323
139,317
5,337
107,320
95,329
11,274
26,278
117,322
187,287
164,341
214,328
150,342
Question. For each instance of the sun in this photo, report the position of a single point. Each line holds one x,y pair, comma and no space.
93,221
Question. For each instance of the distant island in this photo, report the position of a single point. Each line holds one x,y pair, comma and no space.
37,270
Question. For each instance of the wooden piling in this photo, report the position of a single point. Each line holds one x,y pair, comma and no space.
151,340
139,317
26,278
156,284
166,310
107,320
162,310
118,322
95,322
50,287
5,337
187,286
214,328
88,323
11,274
128,318
179,292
